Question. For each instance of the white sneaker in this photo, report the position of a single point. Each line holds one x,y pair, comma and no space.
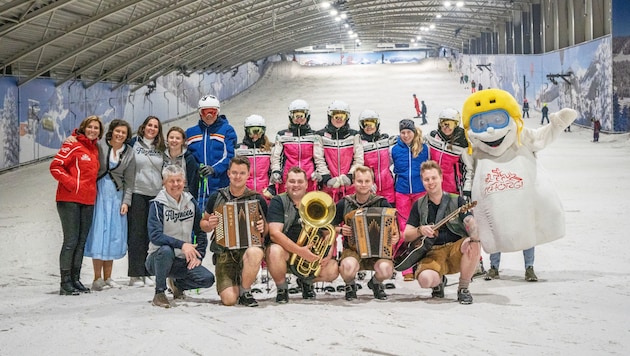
98,285
110,282
136,282
148,281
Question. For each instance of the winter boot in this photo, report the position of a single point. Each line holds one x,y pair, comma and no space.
75,276
67,288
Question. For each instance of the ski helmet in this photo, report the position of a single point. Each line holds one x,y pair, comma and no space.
209,101
369,115
255,120
338,105
450,114
299,105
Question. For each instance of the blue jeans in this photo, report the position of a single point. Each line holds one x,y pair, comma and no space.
528,256
163,263
76,220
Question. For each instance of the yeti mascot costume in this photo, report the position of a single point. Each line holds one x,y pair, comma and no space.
517,207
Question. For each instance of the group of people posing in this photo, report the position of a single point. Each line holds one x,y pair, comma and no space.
156,200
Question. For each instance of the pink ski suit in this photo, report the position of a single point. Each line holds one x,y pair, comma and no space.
446,151
259,162
376,155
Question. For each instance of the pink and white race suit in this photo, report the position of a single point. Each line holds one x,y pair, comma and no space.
376,155
446,151
259,163
343,151
298,147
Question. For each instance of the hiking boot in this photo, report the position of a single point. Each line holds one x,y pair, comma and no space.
177,293
493,273
438,291
160,300
308,292
351,291
530,276
75,276
378,290
464,296
247,300
66,287
98,285
282,296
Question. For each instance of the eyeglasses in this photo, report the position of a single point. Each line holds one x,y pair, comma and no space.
255,130
339,115
496,119
448,124
369,123
297,115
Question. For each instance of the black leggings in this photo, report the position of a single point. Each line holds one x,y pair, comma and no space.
138,234
76,220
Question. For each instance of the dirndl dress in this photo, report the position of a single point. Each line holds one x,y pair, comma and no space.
107,239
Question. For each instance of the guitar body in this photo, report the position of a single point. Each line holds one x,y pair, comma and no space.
410,253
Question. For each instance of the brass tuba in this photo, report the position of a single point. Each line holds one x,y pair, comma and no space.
317,210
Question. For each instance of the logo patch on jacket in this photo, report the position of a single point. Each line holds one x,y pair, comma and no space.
498,181
85,157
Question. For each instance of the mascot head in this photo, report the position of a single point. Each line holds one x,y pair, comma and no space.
492,121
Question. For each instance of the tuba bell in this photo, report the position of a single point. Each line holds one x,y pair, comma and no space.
317,210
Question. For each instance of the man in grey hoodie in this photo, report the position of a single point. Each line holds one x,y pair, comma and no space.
174,251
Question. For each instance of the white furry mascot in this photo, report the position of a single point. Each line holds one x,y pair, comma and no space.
517,206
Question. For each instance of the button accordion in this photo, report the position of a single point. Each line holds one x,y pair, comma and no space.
237,225
373,230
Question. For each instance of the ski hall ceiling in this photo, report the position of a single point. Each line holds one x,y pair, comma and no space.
135,41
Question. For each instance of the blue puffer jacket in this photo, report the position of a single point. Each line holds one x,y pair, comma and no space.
212,146
407,168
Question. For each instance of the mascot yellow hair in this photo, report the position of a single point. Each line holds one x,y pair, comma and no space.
488,100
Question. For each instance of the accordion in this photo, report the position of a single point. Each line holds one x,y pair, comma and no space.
373,230
237,225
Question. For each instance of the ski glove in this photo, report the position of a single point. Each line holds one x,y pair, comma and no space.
344,180
316,177
276,178
206,171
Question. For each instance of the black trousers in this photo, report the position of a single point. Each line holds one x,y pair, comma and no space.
138,234
76,220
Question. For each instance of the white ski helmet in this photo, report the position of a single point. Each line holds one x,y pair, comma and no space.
209,101
367,115
338,105
450,114
255,120
299,105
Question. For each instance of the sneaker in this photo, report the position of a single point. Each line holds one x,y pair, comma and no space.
464,296
351,291
479,271
247,300
408,277
438,291
493,273
136,282
112,284
148,281
530,276
282,296
98,285
378,290
160,300
308,292
177,293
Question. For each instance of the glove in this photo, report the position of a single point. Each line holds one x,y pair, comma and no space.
467,195
344,180
316,177
269,192
564,117
206,171
333,183
276,178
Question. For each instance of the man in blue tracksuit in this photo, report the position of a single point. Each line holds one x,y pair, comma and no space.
212,142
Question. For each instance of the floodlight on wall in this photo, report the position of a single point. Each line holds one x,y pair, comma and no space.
552,77
487,66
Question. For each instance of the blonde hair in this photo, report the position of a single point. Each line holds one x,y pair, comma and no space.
417,143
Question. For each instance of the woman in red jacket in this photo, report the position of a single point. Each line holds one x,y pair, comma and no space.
75,167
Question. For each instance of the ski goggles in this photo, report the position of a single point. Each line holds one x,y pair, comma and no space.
496,119
255,130
339,115
445,124
297,115
369,123
209,111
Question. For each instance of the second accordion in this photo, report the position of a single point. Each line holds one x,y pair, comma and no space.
237,225
373,230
